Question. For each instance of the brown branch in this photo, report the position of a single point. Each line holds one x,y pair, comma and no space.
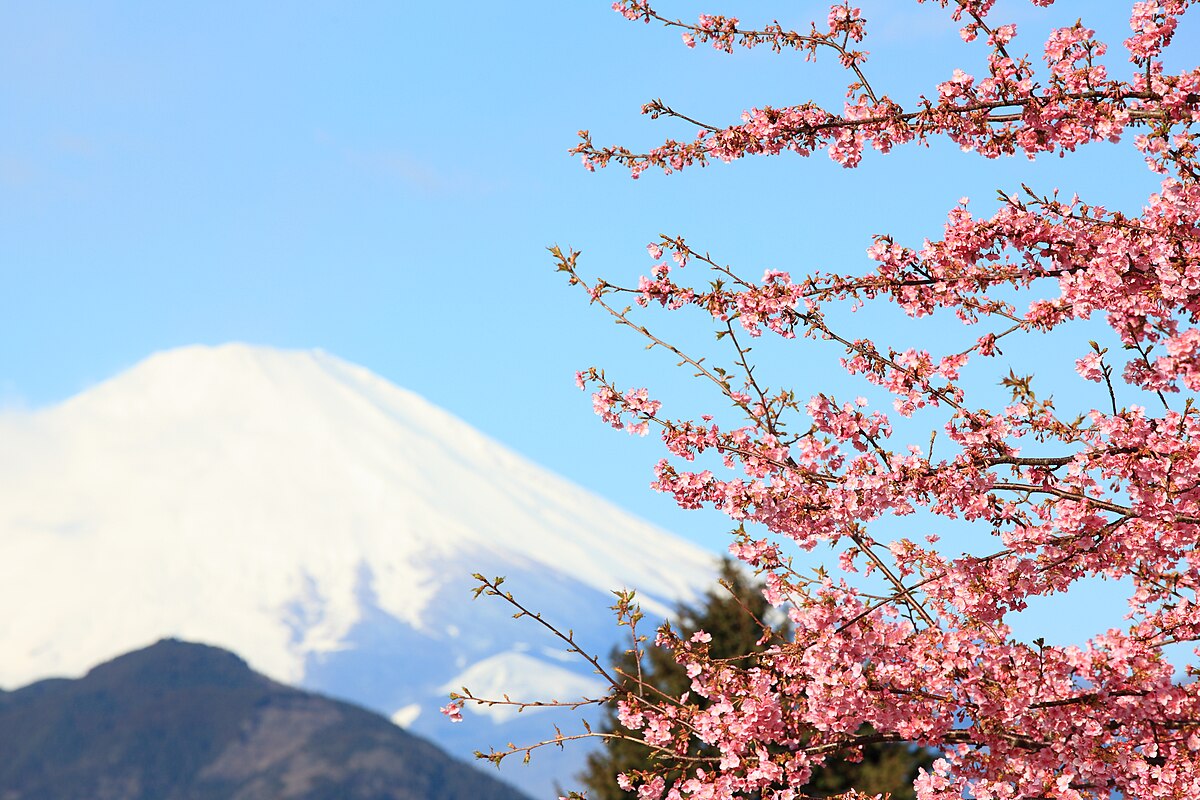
1082,498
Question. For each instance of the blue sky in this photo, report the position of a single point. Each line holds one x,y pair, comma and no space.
380,180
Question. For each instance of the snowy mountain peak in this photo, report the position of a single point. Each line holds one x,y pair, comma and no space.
307,514
269,386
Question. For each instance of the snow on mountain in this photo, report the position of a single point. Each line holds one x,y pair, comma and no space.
317,520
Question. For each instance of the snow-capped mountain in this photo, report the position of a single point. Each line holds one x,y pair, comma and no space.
320,522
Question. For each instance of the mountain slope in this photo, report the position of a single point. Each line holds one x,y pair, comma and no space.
179,720
317,520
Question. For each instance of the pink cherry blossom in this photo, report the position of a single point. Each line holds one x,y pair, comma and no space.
900,638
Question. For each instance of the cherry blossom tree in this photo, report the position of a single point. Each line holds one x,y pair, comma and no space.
904,639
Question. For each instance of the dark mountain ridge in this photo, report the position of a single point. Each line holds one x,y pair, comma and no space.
183,721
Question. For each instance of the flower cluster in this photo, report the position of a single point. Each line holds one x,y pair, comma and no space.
930,659
1003,113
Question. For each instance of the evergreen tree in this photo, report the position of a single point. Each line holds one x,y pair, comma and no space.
734,618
